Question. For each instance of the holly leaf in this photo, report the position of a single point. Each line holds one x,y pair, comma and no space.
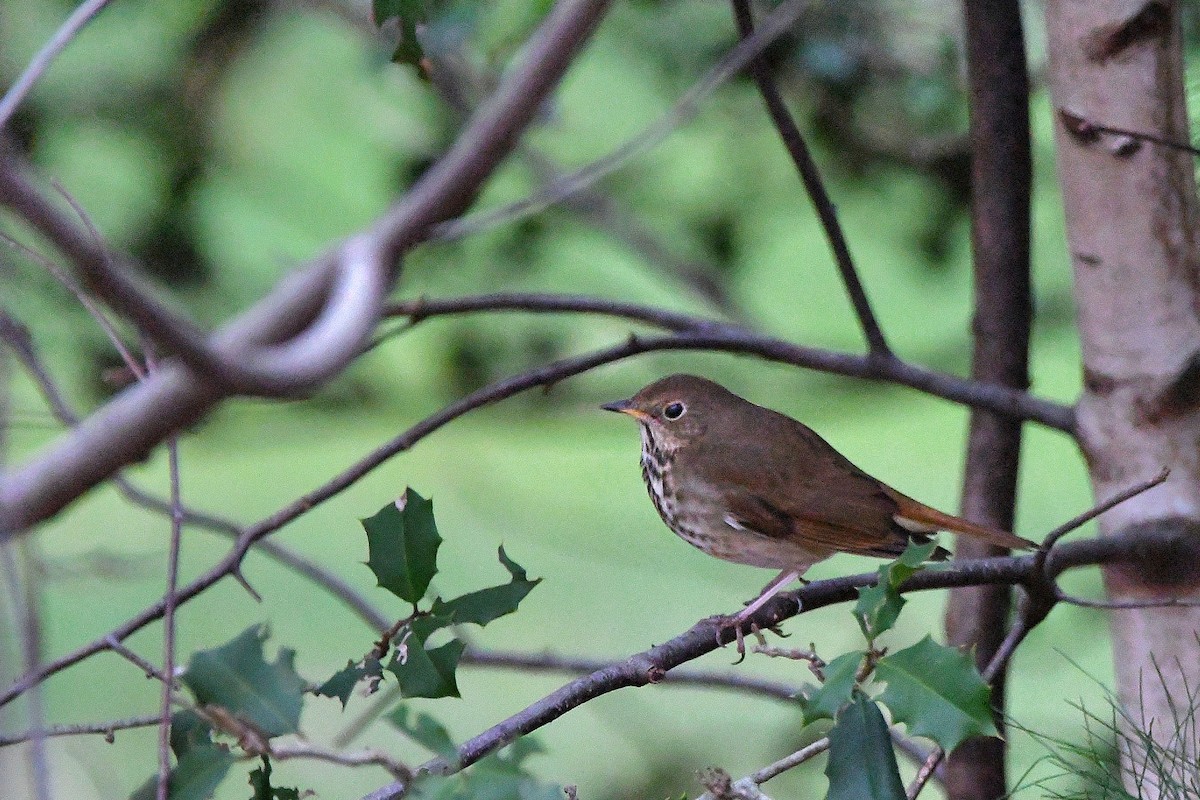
937,692
879,606
827,699
425,731
268,697
403,541
188,731
862,763
341,684
195,777
426,673
260,782
485,605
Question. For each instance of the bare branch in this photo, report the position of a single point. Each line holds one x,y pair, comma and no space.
697,333
810,174
364,758
144,415
774,26
105,728
19,341
20,89
747,787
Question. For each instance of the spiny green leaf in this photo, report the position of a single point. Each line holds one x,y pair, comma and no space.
425,731
485,605
426,673
341,684
403,542
879,606
937,692
195,777
234,676
260,782
828,698
862,764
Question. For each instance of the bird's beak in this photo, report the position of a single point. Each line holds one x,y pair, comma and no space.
626,407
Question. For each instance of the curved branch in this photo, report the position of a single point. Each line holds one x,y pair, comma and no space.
142,416
697,333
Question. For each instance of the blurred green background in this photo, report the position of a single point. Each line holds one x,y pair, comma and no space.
223,143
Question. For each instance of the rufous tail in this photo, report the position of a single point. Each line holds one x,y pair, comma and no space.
922,516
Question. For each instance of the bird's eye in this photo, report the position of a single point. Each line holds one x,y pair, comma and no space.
674,411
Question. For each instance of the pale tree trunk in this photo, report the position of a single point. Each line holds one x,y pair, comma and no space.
1131,228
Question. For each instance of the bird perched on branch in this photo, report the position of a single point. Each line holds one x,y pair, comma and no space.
750,485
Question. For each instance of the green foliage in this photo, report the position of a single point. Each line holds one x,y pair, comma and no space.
425,672
260,782
827,700
485,605
403,540
403,543
267,697
342,683
879,606
500,776
196,774
862,764
938,692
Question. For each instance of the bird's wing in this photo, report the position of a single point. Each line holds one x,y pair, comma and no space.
819,498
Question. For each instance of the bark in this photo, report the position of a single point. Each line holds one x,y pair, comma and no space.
1131,227
1001,177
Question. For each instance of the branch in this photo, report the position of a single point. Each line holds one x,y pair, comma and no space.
80,17
642,668
698,333
810,174
17,336
1001,187
106,728
142,416
777,23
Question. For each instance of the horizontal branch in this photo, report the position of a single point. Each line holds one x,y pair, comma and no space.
646,667
698,333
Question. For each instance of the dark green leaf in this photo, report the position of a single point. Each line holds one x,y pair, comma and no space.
862,764
937,692
195,777
426,673
267,697
485,605
341,684
260,782
879,606
827,699
403,541
425,731
188,730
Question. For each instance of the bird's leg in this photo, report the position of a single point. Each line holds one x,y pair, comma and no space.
737,620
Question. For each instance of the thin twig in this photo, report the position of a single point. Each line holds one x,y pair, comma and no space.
105,728
26,609
747,787
364,758
80,17
810,174
773,26
169,602
117,646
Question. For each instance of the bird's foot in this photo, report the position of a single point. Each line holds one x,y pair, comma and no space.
724,622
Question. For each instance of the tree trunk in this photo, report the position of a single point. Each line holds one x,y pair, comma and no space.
1131,217
1001,176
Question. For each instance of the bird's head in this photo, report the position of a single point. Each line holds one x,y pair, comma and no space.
677,410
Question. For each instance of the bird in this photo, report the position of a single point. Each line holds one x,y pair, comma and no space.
749,485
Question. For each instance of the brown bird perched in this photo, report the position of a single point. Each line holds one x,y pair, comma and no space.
750,485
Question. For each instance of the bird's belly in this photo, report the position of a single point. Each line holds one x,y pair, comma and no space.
696,513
